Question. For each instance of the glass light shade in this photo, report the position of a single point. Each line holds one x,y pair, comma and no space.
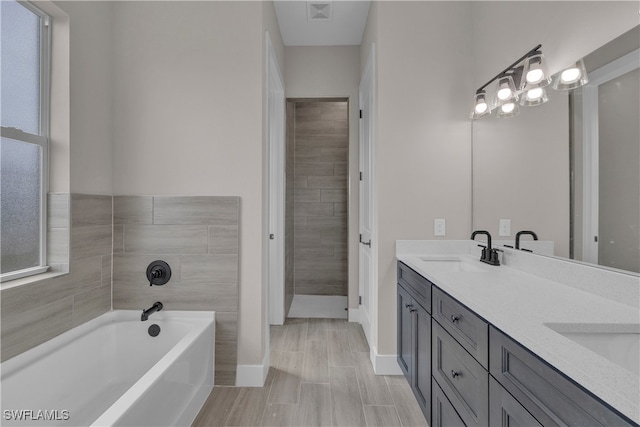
571,77
506,91
535,72
535,96
480,105
508,109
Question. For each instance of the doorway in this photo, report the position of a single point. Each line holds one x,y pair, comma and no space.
316,217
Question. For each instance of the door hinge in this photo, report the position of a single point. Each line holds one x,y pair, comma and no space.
360,113
359,300
360,240
595,239
272,236
360,176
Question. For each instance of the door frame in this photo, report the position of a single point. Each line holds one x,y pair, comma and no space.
591,163
275,175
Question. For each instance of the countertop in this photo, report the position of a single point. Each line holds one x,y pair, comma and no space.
521,304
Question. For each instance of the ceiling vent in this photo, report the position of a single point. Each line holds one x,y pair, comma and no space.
319,11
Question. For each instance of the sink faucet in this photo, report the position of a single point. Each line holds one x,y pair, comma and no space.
489,255
149,311
520,233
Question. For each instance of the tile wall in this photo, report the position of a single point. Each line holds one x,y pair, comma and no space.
199,238
36,312
289,192
320,197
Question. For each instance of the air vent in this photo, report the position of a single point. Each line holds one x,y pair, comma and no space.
319,11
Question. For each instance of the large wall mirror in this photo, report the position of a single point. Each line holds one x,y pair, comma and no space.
569,169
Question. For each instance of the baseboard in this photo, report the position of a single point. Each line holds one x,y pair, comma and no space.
354,315
253,375
384,364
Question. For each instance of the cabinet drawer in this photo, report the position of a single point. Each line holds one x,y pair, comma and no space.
443,412
504,410
551,397
464,325
416,285
461,377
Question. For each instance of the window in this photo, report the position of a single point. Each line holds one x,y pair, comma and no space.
24,113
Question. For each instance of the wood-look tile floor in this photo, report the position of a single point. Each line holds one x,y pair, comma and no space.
320,375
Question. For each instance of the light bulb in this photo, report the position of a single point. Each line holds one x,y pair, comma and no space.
481,107
570,75
534,94
535,76
504,93
508,107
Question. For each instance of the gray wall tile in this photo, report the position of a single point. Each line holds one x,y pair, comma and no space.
91,241
58,210
89,209
132,210
90,304
58,245
223,239
166,239
195,210
205,269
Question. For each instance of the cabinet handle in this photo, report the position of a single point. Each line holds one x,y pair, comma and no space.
454,319
412,310
408,305
454,374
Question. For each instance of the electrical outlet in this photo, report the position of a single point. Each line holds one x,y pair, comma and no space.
505,227
439,227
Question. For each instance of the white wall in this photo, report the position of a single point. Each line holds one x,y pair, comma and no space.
423,133
188,120
332,71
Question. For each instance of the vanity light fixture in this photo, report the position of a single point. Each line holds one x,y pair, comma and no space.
571,77
525,83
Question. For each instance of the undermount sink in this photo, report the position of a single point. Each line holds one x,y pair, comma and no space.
619,343
452,264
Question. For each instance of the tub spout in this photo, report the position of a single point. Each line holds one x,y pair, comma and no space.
149,311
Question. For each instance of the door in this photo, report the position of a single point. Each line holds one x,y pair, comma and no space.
275,187
367,246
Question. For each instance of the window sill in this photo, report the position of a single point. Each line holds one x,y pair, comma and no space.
8,283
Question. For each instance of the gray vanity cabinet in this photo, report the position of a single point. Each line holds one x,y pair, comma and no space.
414,334
505,410
549,396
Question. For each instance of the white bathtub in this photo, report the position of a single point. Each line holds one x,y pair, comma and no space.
111,372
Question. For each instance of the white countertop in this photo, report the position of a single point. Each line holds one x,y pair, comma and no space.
520,303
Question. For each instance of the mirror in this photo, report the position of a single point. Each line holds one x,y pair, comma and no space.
529,169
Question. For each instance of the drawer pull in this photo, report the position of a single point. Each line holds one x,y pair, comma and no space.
454,319
408,305
412,310
454,374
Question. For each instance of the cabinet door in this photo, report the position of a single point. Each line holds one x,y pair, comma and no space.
422,359
505,410
405,336
444,414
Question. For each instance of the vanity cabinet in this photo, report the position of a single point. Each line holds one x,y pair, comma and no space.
549,396
414,334
459,373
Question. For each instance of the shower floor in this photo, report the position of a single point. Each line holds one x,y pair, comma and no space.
326,306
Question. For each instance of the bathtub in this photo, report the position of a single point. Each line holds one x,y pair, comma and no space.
111,372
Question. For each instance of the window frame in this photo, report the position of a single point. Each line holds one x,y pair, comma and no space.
42,139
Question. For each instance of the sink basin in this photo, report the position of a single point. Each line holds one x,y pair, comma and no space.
452,264
619,344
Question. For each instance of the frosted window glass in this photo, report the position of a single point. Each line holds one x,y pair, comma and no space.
20,47
19,204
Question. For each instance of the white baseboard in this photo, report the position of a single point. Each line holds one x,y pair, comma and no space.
354,315
384,364
253,375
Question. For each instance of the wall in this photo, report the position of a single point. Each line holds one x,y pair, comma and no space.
332,71
35,312
288,216
198,237
422,135
320,197
188,120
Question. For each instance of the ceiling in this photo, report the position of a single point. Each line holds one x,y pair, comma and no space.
321,23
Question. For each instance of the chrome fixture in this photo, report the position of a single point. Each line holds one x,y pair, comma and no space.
489,254
524,83
149,311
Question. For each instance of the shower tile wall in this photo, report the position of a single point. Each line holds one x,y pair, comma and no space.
320,197
199,238
36,312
